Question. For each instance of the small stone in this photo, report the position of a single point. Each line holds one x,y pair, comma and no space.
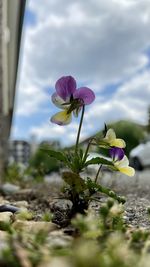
59,239
61,205
71,231
34,227
8,208
54,262
9,188
5,216
3,201
27,193
5,220
62,210
21,204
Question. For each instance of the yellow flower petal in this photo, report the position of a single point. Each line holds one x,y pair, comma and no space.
123,166
127,170
110,135
62,118
111,139
118,143
122,163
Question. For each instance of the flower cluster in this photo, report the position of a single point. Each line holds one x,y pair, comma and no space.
71,100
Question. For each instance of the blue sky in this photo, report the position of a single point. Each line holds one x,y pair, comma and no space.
104,44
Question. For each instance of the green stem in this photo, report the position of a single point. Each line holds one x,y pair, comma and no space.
98,173
87,150
109,193
79,130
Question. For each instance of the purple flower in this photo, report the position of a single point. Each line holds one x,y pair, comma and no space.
120,161
116,153
70,99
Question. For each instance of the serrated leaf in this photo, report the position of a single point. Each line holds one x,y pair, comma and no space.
55,154
98,160
105,190
74,180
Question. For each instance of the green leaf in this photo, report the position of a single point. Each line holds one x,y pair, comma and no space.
98,160
92,186
81,153
55,154
75,181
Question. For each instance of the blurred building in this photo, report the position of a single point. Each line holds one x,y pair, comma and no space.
50,143
19,152
11,19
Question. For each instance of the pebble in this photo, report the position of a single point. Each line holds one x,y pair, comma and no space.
28,194
59,239
62,209
61,205
9,188
3,201
6,217
21,204
34,227
55,262
8,208
70,230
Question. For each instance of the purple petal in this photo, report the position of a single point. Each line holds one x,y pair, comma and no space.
85,94
116,153
65,87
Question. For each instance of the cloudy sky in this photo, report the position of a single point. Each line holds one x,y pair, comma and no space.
104,44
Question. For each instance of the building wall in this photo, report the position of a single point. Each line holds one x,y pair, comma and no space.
1,91
11,13
19,152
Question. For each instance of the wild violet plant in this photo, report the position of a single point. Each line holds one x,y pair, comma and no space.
81,191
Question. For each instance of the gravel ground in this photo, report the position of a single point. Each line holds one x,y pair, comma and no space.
135,189
137,193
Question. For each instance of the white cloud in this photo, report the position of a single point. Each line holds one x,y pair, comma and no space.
30,100
66,134
129,102
98,42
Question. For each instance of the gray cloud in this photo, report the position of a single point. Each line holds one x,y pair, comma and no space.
93,40
98,42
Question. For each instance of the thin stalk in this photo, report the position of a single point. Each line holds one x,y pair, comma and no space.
79,130
87,150
98,173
